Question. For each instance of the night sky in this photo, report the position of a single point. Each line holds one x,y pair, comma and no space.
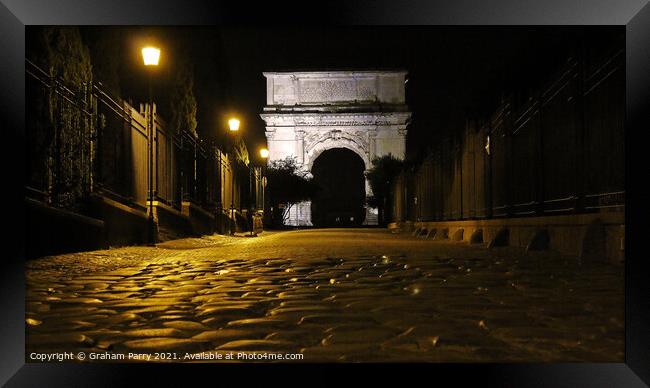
453,72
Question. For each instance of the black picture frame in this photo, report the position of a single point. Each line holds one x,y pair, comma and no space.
634,14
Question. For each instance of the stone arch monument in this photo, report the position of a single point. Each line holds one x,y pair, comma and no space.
307,113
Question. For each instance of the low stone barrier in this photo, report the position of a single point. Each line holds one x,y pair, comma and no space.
597,236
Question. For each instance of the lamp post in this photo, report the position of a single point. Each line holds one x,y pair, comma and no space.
233,125
264,153
150,57
250,199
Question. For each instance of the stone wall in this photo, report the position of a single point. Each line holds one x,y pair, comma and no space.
557,151
599,237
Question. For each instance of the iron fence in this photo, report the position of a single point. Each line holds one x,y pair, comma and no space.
558,151
84,142
61,134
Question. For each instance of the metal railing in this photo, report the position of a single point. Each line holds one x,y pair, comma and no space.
560,152
84,142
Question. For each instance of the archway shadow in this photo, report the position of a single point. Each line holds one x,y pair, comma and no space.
340,200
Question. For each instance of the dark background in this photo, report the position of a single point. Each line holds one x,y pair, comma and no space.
454,72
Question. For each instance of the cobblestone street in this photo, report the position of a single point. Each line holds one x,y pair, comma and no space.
332,295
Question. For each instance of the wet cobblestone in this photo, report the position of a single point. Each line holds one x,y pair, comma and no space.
332,295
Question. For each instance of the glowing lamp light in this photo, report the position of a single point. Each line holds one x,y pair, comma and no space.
233,124
264,153
151,56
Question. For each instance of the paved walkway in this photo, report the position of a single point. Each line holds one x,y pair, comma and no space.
329,295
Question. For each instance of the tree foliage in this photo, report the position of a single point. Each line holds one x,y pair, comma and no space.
183,106
240,151
381,176
60,135
105,46
288,185
67,57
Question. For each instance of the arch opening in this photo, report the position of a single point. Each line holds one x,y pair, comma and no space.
340,203
315,150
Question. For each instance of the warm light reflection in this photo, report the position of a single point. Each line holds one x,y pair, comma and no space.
151,56
233,124
264,153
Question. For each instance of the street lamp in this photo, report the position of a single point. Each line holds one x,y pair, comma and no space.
252,205
233,125
150,57
264,153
